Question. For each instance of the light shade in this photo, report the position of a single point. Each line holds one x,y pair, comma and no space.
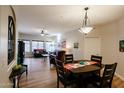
86,29
42,34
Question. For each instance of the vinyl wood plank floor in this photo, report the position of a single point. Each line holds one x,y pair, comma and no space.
41,75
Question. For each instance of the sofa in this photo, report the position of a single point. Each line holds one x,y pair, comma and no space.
39,52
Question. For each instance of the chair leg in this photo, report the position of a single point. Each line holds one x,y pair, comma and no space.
110,86
18,81
57,83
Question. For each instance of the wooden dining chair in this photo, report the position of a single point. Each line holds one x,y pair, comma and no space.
97,59
65,78
68,58
52,59
106,80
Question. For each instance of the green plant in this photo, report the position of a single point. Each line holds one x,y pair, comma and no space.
17,67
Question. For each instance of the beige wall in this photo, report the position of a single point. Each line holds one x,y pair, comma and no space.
76,36
111,34
109,43
5,69
72,37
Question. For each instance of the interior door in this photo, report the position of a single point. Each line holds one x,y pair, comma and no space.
92,47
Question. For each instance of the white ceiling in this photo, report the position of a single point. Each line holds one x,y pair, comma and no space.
58,19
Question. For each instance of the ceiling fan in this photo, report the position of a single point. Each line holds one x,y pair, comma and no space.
43,33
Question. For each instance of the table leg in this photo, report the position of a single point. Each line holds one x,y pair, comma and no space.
81,81
14,82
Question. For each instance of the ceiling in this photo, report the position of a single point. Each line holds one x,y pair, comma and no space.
62,18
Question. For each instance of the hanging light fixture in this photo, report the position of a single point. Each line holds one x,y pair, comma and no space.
86,28
42,33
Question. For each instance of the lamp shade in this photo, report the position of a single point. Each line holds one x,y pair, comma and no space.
86,29
42,34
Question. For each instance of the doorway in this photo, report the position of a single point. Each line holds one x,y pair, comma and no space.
92,46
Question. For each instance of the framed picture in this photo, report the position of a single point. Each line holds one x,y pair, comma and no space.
121,45
11,39
76,45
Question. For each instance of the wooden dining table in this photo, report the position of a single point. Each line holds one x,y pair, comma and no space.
82,68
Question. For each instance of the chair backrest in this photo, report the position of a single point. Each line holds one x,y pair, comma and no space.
97,59
108,74
52,59
60,55
68,58
59,69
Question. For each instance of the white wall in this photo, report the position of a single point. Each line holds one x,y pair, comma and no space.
76,36
5,69
111,34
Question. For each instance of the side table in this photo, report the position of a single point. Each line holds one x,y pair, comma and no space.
15,76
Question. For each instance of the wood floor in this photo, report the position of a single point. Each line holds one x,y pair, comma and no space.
40,75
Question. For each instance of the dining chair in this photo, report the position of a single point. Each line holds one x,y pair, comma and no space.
97,59
68,58
52,59
65,78
106,80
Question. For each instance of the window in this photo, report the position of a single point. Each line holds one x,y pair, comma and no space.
27,46
37,45
50,46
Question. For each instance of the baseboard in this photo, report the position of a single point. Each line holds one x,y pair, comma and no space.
122,78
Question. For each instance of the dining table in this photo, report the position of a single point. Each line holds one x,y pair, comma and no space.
82,68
